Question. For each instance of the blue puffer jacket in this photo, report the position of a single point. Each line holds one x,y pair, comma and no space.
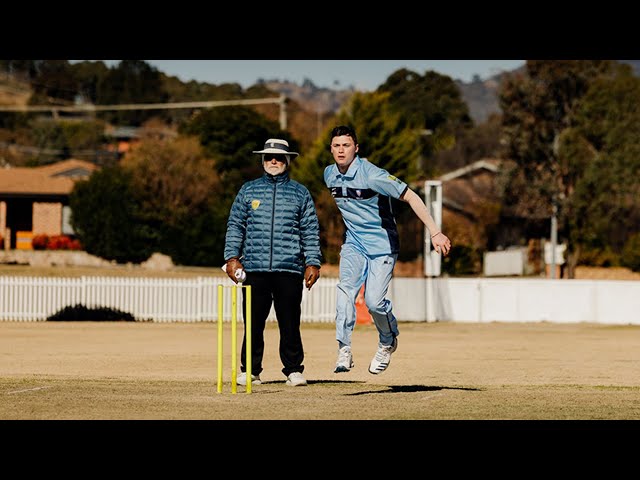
273,226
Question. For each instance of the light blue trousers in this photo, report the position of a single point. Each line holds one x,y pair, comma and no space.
375,273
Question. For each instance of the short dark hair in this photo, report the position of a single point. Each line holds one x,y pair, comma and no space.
341,130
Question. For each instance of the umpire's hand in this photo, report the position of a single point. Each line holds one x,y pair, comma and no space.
233,264
311,275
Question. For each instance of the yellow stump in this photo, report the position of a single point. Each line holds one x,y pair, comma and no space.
247,332
234,337
234,340
220,336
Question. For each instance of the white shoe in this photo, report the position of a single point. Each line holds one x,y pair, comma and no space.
382,357
345,360
242,379
295,379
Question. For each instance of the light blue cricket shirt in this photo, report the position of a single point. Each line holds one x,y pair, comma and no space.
363,195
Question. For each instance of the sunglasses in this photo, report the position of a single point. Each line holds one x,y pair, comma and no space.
279,157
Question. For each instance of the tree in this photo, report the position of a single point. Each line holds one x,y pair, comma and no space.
604,206
538,106
476,143
179,191
66,137
88,76
54,83
107,217
431,102
132,81
230,135
174,177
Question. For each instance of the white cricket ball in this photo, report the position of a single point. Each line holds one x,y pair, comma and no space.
241,275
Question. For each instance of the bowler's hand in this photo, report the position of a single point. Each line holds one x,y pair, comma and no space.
233,264
311,275
441,243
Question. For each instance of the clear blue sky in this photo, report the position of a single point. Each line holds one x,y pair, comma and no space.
362,74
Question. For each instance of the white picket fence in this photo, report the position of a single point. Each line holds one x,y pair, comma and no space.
147,299
479,300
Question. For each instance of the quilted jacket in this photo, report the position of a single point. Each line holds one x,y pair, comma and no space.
273,226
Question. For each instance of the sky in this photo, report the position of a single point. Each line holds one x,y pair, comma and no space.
365,75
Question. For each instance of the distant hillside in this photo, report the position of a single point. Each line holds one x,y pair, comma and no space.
312,98
12,91
482,95
635,64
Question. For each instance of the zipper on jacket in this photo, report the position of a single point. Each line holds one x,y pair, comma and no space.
273,220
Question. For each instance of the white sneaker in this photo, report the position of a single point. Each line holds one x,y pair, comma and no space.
382,358
345,360
242,379
295,379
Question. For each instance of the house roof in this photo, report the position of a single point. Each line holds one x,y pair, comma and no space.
54,179
484,164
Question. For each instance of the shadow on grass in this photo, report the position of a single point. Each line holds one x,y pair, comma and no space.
383,388
412,389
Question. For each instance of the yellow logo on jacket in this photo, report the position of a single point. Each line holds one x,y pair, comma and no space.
255,204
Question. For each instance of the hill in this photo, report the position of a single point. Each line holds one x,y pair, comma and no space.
310,97
13,91
481,95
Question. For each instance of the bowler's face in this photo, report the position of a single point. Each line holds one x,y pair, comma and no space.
344,151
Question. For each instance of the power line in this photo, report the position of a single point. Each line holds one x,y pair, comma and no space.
54,109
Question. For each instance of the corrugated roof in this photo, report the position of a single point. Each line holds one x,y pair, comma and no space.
488,164
55,179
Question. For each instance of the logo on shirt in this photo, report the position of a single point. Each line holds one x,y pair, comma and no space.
334,191
393,179
255,204
359,193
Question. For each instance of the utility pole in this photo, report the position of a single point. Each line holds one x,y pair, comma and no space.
554,206
283,111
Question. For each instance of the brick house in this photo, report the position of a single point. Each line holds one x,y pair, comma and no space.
35,200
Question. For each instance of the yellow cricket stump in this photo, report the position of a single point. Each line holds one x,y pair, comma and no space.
234,336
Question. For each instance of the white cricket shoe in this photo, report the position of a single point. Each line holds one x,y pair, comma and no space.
242,379
345,360
296,379
382,358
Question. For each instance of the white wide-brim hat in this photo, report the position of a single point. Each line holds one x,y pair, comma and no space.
276,145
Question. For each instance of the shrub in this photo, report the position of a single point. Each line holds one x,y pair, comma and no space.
462,260
40,241
79,312
43,241
630,257
598,257
58,242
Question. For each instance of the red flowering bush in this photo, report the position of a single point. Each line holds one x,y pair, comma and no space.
55,242
58,242
39,242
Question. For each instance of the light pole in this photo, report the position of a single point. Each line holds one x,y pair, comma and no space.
554,207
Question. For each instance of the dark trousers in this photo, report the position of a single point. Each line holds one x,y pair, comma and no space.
284,291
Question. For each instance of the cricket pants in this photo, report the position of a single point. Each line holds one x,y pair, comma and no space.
375,273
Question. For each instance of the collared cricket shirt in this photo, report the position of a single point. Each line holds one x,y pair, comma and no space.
363,195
